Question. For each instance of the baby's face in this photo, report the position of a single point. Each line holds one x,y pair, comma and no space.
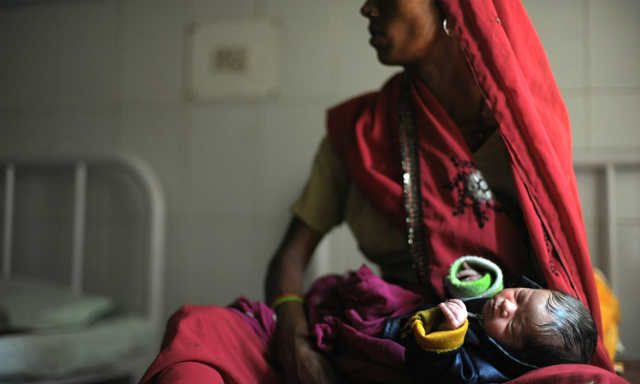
512,313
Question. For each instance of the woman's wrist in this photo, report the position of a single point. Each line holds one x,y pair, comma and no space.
292,319
286,298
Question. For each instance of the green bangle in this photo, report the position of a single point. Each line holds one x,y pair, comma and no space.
286,298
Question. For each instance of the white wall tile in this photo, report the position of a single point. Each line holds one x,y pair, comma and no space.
61,132
226,144
291,136
59,54
595,232
179,236
627,189
615,120
344,252
561,27
19,136
152,50
590,184
221,259
629,248
308,65
577,105
161,136
206,10
614,43
590,190
313,12
358,69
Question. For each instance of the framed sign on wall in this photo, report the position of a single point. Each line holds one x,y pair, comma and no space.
229,60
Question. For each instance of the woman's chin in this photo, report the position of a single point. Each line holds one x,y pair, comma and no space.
384,57
387,57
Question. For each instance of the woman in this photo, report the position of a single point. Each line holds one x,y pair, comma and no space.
466,152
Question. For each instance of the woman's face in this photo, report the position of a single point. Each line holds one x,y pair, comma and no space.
402,31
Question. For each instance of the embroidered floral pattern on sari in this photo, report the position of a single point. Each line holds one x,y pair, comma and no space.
471,190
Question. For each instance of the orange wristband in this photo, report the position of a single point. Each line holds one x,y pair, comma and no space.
286,297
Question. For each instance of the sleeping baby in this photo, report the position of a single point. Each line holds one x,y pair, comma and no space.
496,338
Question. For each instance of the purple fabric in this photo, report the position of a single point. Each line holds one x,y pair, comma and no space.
258,316
345,313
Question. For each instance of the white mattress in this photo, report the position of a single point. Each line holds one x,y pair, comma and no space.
58,353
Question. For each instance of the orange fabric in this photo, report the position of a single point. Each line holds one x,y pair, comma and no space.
610,311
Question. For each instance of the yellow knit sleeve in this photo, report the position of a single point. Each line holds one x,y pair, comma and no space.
421,325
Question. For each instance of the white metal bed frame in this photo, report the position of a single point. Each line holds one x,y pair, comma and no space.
143,176
608,164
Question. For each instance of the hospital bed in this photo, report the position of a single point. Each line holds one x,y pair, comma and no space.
81,269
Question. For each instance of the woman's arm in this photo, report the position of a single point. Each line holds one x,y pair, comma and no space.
300,362
286,269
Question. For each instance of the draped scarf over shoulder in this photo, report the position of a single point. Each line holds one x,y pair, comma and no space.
510,67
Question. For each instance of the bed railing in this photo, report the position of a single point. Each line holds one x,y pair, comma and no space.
140,172
608,164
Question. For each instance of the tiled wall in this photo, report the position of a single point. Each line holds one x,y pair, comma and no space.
107,76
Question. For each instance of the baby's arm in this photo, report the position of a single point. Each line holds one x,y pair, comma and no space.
455,313
437,355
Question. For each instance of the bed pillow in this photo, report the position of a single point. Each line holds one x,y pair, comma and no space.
33,305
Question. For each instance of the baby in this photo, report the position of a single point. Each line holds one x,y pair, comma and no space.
538,323
517,330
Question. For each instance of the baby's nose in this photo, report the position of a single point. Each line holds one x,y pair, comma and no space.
507,307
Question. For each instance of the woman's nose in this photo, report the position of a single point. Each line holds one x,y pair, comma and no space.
368,10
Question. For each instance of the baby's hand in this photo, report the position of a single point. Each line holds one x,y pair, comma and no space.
455,313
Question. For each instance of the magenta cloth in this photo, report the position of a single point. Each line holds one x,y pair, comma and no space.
346,312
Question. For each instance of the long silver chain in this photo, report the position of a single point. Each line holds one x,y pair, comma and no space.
411,183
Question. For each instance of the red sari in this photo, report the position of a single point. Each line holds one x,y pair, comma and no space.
211,344
511,68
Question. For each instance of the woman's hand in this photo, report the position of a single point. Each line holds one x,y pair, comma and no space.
292,346
455,313
301,363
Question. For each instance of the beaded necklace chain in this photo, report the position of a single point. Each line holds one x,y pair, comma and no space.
407,135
